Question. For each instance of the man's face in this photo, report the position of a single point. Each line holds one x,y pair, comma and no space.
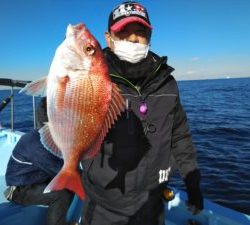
133,32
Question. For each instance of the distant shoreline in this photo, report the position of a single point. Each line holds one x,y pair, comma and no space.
225,78
205,79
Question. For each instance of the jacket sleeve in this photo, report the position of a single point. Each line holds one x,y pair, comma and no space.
183,149
41,157
47,162
185,158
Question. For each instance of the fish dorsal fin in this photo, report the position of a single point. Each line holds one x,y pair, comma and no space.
48,142
117,105
36,88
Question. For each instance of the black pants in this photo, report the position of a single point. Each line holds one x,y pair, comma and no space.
58,202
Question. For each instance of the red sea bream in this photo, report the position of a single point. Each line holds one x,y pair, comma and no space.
82,104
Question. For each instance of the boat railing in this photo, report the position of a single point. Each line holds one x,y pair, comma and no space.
10,99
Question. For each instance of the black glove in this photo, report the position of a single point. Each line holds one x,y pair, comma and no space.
195,199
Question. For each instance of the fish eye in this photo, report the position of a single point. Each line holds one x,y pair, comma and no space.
89,50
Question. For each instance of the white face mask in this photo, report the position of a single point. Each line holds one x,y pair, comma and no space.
129,51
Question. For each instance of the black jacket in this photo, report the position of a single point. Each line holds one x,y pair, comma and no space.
139,152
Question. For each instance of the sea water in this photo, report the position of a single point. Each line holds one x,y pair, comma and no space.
218,112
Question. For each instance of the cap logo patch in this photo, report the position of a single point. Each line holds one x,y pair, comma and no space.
127,10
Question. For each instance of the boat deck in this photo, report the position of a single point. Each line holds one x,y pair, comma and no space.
8,140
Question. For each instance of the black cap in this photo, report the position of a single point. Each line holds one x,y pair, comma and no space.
128,12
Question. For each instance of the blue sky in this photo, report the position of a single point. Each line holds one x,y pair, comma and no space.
202,38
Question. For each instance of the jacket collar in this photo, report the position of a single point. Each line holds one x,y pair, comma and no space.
140,74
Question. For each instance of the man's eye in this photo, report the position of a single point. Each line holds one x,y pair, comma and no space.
123,33
141,32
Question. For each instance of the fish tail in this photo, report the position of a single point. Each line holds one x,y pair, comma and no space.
67,180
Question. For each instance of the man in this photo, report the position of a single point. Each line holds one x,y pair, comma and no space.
124,182
30,168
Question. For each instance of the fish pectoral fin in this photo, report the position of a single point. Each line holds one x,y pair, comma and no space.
63,80
61,90
36,88
48,142
116,106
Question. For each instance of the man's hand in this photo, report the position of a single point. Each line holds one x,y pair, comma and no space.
195,199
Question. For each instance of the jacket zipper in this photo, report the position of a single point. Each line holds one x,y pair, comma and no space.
129,117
